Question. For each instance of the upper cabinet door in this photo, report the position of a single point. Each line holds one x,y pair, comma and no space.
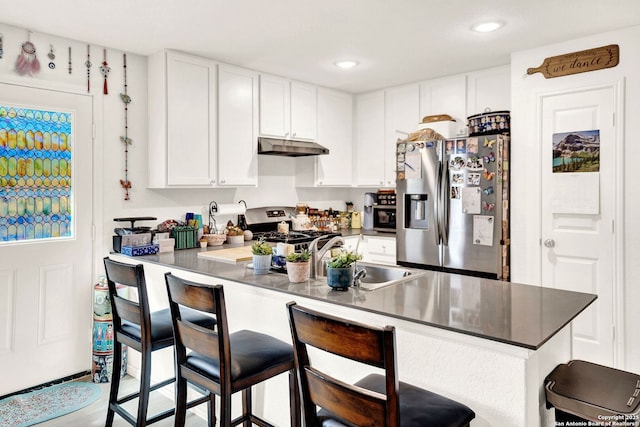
489,90
370,142
335,131
401,117
303,111
237,126
182,121
275,111
447,95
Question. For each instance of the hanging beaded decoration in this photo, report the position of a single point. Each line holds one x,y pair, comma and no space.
126,99
52,56
105,70
69,59
1,50
88,65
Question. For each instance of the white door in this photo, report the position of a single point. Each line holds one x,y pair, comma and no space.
46,284
577,212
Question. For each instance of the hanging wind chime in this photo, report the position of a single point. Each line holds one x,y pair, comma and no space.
70,60
27,62
126,99
105,70
88,65
1,49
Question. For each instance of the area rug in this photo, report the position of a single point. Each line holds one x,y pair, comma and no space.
31,408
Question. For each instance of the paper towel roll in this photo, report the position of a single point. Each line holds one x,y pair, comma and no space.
230,209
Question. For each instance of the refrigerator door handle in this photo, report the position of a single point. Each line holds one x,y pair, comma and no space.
438,209
445,200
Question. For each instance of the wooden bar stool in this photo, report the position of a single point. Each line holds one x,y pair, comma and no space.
135,326
220,362
376,400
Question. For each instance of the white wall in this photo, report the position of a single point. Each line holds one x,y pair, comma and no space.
525,213
276,180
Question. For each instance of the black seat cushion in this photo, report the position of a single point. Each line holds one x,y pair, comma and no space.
251,353
418,407
162,327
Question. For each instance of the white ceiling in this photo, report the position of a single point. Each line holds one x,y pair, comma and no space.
395,41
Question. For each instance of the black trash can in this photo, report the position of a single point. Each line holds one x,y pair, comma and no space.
587,394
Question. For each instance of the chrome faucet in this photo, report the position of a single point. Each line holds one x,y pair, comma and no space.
318,254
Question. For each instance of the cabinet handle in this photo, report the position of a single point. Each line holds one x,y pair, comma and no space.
222,181
213,181
294,134
286,134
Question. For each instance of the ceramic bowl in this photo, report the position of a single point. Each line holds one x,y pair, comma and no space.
215,239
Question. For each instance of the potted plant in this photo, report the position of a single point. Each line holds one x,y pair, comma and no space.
203,242
262,252
298,266
340,269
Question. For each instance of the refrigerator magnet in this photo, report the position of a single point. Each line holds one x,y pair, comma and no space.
472,145
475,163
461,146
473,178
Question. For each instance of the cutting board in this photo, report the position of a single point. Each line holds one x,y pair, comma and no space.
240,253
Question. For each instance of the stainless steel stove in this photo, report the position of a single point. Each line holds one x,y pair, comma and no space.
263,222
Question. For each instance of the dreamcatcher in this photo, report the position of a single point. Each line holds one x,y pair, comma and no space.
27,62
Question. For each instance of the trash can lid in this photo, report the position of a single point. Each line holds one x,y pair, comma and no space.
594,391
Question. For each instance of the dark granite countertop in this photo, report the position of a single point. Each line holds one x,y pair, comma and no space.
520,315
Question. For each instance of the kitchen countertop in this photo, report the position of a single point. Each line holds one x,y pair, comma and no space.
515,314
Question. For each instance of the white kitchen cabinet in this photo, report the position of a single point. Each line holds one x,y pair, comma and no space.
351,243
489,89
182,148
446,95
303,111
401,117
378,249
287,108
335,132
237,126
370,163
381,250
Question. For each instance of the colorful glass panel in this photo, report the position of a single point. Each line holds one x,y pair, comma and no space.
35,174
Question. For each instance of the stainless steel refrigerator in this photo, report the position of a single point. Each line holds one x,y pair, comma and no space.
453,204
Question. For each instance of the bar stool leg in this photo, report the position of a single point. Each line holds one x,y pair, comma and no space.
294,400
145,384
115,382
181,402
211,409
246,406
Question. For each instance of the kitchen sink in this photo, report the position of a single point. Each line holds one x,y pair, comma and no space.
379,276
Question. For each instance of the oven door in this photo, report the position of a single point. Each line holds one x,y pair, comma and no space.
384,218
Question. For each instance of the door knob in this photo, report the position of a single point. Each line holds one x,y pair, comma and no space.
549,243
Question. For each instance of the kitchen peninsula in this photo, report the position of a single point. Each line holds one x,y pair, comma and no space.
486,343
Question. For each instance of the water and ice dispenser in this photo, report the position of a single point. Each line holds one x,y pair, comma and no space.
416,211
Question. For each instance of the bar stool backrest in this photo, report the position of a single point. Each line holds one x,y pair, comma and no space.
373,346
212,343
125,307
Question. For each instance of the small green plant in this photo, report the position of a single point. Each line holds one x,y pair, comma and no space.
299,256
344,259
261,247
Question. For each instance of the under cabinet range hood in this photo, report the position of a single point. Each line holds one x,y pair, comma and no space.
289,147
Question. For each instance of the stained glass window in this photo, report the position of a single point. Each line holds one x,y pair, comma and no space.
35,174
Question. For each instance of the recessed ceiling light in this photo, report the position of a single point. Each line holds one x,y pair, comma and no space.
346,64
486,27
